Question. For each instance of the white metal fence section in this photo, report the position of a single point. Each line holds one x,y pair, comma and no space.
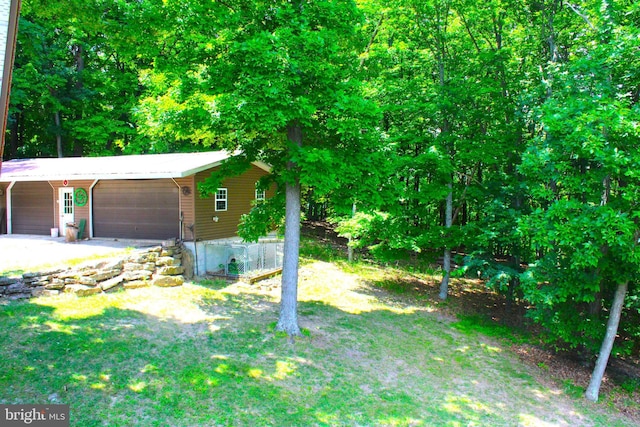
243,259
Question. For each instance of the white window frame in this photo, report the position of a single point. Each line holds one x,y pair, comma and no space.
222,195
261,195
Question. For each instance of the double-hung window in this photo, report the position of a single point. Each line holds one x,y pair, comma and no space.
221,199
260,194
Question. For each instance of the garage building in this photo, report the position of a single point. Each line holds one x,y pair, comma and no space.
151,196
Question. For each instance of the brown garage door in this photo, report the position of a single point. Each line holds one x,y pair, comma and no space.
136,209
32,208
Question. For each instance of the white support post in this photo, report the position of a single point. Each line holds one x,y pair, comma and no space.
9,208
90,225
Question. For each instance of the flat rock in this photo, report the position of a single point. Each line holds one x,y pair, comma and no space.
132,266
170,270
110,265
136,284
6,281
167,260
150,266
42,282
43,273
111,283
82,290
88,281
106,274
88,271
137,275
168,281
16,288
166,252
144,257
55,286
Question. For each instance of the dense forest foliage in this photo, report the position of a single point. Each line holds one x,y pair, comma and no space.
501,135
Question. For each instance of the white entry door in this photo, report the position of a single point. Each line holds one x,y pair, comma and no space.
66,208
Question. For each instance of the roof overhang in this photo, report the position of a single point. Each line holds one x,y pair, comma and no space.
143,166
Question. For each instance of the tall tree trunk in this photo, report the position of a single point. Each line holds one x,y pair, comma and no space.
595,306
614,317
442,19
14,135
349,247
56,118
288,321
79,57
444,285
607,343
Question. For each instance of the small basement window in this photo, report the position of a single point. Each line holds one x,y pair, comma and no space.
221,199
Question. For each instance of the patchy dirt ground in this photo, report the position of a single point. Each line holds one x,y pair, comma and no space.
472,298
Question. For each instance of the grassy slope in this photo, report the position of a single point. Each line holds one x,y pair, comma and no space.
206,354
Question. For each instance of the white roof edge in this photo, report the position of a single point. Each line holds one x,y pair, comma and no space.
88,177
262,165
198,169
48,173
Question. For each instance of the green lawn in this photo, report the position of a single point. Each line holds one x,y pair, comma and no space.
205,354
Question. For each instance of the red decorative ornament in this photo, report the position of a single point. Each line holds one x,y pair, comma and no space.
65,182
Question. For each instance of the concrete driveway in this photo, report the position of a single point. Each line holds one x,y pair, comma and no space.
24,253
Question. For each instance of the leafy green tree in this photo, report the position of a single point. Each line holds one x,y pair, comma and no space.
444,73
506,129
581,171
77,77
277,81
40,80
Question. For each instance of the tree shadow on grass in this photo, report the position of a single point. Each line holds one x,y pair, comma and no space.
467,299
219,362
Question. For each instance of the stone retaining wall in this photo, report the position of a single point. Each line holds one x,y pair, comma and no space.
163,266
